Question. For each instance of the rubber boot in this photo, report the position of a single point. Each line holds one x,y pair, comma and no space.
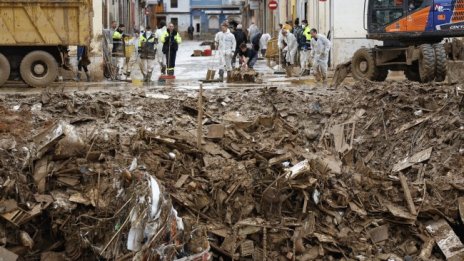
229,76
288,70
171,72
149,76
163,69
221,75
87,74
78,77
324,83
144,77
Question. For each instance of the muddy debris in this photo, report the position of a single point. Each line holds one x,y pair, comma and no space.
129,176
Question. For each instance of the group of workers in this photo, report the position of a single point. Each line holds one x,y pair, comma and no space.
151,46
232,45
294,42
311,48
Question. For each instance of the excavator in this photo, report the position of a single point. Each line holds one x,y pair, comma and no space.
416,39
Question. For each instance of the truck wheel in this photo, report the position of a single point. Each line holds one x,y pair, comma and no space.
426,63
38,69
363,66
5,69
441,59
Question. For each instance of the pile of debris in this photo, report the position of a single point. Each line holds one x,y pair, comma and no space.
241,75
372,173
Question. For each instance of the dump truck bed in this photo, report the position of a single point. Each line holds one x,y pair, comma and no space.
45,22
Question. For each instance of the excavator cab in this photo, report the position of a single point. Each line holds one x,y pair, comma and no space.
413,21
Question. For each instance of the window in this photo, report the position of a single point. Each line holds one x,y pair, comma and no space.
174,4
175,21
385,12
213,22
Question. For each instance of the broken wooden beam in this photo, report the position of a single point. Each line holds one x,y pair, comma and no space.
407,194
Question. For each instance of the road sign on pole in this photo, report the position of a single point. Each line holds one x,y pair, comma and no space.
272,5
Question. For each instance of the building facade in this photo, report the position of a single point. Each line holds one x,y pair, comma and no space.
127,12
207,15
329,17
170,11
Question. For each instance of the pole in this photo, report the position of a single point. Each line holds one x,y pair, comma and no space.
200,117
273,24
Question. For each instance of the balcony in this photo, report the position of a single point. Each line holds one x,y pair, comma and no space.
159,8
231,2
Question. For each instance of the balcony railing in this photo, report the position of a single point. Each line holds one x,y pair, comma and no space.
231,2
158,8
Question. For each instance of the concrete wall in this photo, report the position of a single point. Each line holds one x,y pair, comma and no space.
97,27
319,14
183,21
348,30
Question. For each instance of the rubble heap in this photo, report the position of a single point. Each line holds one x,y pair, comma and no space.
373,172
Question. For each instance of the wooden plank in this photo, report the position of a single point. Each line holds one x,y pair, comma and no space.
446,239
416,158
412,124
200,117
181,181
461,207
407,194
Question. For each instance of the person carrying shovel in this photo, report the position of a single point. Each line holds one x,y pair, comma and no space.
171,40
320,48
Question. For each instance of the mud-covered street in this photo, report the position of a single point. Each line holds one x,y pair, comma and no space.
190,72
281,170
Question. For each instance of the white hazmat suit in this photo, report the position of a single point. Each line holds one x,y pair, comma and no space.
291,49
160,57
263,42
226,46
320,48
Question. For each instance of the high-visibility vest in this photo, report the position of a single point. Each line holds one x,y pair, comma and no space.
118,49
170,41
147,46
307,33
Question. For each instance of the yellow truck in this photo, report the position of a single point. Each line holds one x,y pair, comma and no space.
35,35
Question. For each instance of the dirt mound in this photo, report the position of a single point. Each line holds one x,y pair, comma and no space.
368,173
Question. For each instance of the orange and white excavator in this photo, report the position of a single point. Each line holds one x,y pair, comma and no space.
415,36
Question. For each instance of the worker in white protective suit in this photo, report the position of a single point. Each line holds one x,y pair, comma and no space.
226,45
265,38
290,48
147,51
160,57
320,48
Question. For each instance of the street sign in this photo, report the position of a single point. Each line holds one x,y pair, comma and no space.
272,5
